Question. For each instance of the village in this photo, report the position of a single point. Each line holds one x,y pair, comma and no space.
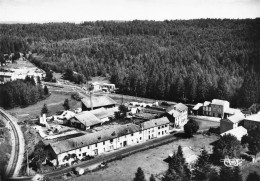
102,122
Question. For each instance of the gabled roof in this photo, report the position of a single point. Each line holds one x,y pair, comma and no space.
232,111
103,113
254,117
155,122
219,102
87,118
236,118
206,103
197,106
238,132
98,101
93,138
178,107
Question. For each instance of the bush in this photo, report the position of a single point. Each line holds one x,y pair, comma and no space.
191,127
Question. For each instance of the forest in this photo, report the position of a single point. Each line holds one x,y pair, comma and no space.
22,93
179,60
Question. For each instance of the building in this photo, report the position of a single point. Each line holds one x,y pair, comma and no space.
198,109
104,114
252,122
206,109
103,87
231,122
238,132
180,114
231,111
85,120
218,107
97,102
96,143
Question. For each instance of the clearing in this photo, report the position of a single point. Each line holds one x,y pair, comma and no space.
54,103
151,161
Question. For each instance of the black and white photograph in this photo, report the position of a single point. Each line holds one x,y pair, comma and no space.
130,90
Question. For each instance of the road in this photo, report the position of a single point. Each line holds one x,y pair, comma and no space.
17,148
109,156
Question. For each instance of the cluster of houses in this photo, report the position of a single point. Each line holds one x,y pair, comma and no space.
149,121
233,121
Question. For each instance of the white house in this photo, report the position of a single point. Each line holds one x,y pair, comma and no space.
180,114
96,143
238,132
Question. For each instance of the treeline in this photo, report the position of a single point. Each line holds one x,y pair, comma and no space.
21,93
12,44
192,61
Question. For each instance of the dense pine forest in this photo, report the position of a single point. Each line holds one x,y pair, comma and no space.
180,60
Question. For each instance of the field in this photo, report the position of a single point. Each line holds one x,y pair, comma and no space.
151,161
54,103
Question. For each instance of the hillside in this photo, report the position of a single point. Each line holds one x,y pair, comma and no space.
191,60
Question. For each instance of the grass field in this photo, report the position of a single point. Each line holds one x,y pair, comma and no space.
54,103
151,161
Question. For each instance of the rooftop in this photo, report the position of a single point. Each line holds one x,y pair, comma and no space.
155,122
238,132
236,118
103,112
254,117
219,102
87,118
92,138
178,107
197,106
98,101
206,103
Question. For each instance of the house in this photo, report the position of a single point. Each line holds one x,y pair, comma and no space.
218,107
85,120
180,114
230,122
252,121
231,111
67,151
206,109
155,128
103,87
198,109
238,132
97,102
5,77
104,114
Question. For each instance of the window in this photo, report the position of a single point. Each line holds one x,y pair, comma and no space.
79,154
80,149
159,127
88,147
162,126
84,154
166,125
96,145
111,141
158,133
103,143
140,138
165,131
132,134
140,132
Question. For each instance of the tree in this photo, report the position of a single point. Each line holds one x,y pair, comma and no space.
227,146
237,174
44,109
46,90
252,140
139,175
253,177
152,178
202,168
39,82
191,127
39,155
178,169
226,174
66,104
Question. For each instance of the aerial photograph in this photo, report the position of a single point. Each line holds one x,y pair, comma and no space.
130,90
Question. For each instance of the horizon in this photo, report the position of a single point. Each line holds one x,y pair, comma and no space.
78,11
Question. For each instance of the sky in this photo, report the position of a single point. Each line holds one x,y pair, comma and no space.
42,11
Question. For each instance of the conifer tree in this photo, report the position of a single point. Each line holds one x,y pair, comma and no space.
253,177
152,178
139,175
66,104
44,109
